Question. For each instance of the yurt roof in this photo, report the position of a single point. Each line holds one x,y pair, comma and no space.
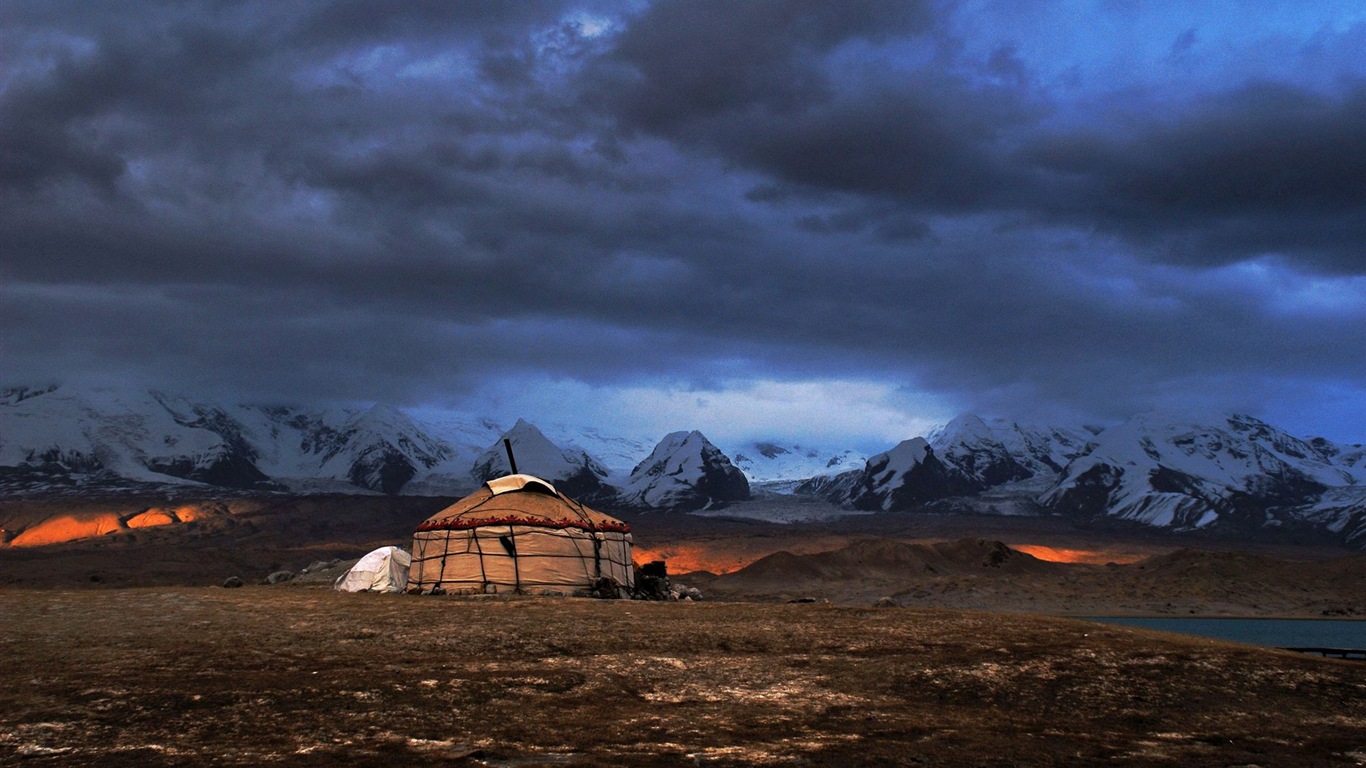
520,500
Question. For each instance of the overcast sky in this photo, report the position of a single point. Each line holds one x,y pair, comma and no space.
753,218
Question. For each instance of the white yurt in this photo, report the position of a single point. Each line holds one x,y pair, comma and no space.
519,534
383,570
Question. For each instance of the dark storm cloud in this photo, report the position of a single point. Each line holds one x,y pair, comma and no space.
1262,168
759,92
682,66
359,20
397,202
1266,169
904,145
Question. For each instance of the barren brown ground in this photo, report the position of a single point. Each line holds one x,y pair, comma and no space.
290,676
981,574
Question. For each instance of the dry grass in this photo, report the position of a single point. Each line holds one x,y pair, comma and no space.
304,677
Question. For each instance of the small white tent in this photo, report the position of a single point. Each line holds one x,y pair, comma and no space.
383,570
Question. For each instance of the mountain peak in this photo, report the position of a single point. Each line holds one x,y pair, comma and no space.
385,418
962,425
905,455
573,472
991,452
685,471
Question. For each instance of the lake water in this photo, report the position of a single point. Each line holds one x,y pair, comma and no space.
1277,633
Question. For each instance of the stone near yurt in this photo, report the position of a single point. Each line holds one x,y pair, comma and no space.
688,593
382,570
519,534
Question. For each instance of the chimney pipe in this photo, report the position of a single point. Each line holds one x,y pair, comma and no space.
507,445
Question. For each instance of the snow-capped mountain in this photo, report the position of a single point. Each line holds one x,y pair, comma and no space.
996,451
618,454
1341,512
573,472
1234,473
104,436
112,440
964,457
1169,471
779,464
1229,473
685,471
905,477
464,437
379,449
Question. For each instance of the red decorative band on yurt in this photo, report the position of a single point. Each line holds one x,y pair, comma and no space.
456,524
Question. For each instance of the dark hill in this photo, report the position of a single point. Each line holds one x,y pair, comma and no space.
987,574
883,560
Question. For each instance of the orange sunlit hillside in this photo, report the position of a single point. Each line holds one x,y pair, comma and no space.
730,555
726,557
1083,556
684,558
188,513
45,529
58,530
151,518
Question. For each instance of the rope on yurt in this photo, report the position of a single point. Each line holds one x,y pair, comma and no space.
445,551
483,575
510,544
419,546
423,547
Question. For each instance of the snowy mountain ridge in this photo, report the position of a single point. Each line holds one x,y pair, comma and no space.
993,451
1168,471
1160,470
966,456
783,465
56,438
1234,472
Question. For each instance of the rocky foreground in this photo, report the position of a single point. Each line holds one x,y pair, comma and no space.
305,677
